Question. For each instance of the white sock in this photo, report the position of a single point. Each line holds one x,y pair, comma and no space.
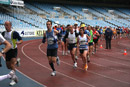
4,77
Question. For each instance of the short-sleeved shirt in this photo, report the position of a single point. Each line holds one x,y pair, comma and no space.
2,39
8,37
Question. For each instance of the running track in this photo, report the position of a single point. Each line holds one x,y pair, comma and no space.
108,68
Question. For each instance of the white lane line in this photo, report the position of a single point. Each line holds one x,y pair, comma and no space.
127,45
51,70
90,71
31,79
104,66
114,62
110,61
28,76
115,57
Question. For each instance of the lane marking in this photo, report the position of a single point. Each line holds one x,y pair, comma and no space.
89,71
50,68
103,65
28,76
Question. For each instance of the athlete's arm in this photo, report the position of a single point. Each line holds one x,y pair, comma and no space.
19,42
66,36
6,43
17,36
7,46
97,33
88,38
56,32
44,38
77,40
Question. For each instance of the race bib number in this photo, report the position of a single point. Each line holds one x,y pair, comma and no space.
72,41
82,42
50,41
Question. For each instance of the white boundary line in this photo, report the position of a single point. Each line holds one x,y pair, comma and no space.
103,66
120,43
50,69
28,76
91,71
115,57
31,79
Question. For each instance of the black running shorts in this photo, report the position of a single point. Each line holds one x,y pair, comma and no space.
71,46
52,52
12,53
90,44
82,51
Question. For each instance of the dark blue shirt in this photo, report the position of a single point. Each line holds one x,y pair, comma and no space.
108,33
87,32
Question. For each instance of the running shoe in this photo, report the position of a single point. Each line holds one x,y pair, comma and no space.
75,65
57,60
53,73
18,62
11,73
86,67
14,80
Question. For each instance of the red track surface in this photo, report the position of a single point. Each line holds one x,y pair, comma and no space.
108,68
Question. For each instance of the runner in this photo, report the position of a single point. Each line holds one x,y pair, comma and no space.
52,46
83,40
11,55
114,33
90,44
101,33
95,38
86,31
71,38
118,32
63,41
76,29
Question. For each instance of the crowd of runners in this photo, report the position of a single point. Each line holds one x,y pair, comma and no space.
79,41
75,40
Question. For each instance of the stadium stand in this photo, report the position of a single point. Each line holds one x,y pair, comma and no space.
35,15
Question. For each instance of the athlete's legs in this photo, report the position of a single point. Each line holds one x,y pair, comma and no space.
51,61
62,47
13,62
72,52
65,44
3,77
84,56
90,50
8,64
